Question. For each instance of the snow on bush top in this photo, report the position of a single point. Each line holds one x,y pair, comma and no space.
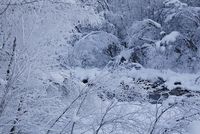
176,3
168,38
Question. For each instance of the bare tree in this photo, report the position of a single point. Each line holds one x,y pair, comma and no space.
9,78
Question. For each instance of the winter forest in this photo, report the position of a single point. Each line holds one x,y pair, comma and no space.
99,66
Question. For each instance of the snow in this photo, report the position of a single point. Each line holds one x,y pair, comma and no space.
156,24
81,73
69,1
99,39
170,37
162,48
177,3
194,127
126,53
75,117
166,40
57,77
187,80
169,17
94,74
2,82
138,25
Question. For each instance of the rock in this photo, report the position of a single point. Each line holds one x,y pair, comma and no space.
178,91
85,81
177,83
154,98
158,82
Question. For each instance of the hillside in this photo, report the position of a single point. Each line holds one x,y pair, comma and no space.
99,66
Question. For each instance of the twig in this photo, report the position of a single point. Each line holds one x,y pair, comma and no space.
159,116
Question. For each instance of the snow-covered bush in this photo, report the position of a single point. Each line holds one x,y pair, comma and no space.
196,39
179,53
146,31
192,2
96,49
180,17
174,51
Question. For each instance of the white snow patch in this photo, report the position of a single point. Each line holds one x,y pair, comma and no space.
170,37
126,53
194,127
177,3
57,77
156,24
162,48
82,73
187,80
2,82
75,117
169,17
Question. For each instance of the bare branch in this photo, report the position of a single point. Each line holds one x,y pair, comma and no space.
66,109
159,116
8,78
